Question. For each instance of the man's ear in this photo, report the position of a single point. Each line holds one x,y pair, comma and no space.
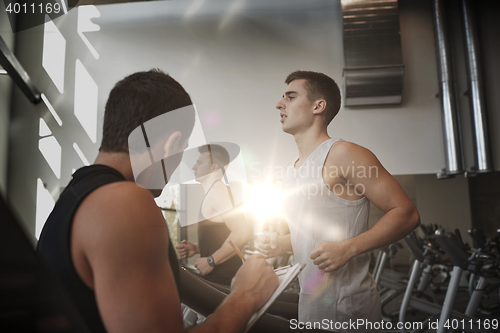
215,166
320,106
173,145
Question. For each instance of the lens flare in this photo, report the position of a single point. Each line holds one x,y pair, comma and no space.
317,283
265,202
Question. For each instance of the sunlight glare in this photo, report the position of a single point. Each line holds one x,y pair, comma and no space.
265,201
54,54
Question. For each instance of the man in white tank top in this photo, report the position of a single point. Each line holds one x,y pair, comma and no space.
329,188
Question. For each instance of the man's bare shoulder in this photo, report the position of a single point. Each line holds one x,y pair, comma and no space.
218,198
119,196
345,152
121,207
115,224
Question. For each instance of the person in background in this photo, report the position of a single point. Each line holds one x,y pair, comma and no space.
220,221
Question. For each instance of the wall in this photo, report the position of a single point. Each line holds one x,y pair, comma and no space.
484,193
445,203
407,138
5,92
232,57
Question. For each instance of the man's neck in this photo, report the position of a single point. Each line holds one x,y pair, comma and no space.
307,142
117,161
209,181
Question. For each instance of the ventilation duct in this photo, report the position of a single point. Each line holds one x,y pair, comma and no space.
372,52
453,148
482,149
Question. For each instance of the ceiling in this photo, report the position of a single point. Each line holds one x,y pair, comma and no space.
106,2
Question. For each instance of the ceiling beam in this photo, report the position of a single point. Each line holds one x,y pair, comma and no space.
105,2
12,66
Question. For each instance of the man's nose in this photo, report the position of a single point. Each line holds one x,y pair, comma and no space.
280,105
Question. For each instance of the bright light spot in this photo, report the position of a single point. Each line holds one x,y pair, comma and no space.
44,205
51,109
80,154
85,24
44,129
265,201
53,57
51,151
86,101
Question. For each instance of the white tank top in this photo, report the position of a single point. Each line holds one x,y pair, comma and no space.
316,214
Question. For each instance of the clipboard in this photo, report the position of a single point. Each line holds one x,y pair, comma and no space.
285,276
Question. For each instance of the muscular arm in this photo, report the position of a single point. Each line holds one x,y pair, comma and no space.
226,251
401,215
240,235
122,237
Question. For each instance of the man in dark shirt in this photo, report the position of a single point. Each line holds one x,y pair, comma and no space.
220,221
114,242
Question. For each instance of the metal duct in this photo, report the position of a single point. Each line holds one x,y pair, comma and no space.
453,148
372,52
482,149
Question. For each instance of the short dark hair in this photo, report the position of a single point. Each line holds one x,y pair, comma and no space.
319,85
218,154
138,98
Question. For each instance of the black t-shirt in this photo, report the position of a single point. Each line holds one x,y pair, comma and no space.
54,243
211,236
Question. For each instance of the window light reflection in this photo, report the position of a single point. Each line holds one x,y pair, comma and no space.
54,54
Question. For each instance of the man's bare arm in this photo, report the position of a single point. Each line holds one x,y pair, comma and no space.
126,247
401,215
240,234
219,207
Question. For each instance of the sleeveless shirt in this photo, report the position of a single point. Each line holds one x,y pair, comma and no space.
54,243
211,236
314,213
